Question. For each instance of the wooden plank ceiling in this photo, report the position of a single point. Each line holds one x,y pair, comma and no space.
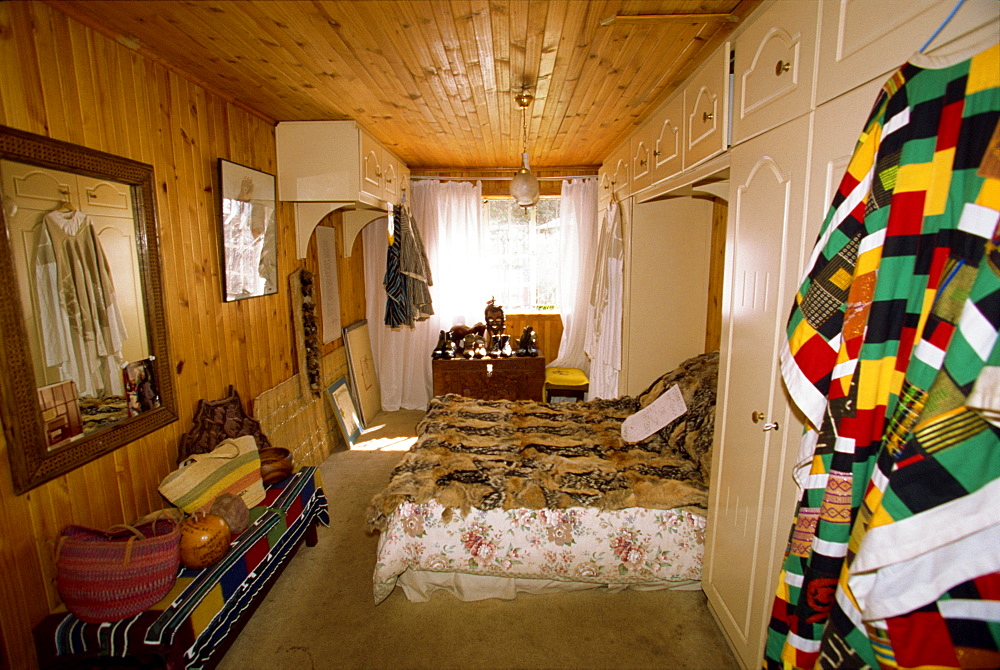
435,80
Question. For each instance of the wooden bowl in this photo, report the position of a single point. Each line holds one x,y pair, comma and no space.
275,464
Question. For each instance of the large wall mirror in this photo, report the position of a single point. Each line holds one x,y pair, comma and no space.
85,360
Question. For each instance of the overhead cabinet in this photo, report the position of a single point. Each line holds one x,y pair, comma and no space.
773,68
329,165
706,110
334,161
688,129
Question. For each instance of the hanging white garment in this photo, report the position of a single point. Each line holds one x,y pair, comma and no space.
81,324
604,322
578,225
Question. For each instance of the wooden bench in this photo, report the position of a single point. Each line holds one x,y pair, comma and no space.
194,624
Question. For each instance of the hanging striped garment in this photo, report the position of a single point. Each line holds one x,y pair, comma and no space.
894,555
395,287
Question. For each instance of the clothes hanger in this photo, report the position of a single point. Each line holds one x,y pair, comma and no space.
937,32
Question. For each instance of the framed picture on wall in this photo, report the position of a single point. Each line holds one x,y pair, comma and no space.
248,226
343,406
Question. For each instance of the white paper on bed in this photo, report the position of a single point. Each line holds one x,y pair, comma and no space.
654,416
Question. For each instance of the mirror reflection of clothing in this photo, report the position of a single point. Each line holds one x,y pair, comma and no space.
80,321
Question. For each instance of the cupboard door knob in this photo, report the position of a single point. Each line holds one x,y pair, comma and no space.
757,417
643,162
656,153
707,116
781,66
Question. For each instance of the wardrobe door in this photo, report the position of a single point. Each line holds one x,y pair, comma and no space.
752,496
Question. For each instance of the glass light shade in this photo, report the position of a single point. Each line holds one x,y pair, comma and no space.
524,185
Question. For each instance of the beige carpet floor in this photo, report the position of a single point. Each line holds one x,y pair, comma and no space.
321,613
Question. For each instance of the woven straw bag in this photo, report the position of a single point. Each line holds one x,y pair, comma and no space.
114,574
232,467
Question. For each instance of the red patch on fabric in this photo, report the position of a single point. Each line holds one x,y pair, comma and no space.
294,511
921,639
271,494
256,553
941,335
988,586
938,261
819,598
906,337
847,184
816,358
907,214
866,426
909,461
950,125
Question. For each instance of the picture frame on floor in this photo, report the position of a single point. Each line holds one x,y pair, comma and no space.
342,403
361,366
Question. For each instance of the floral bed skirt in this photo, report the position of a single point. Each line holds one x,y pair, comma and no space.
578,546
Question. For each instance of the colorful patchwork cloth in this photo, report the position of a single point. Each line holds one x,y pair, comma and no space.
894,557
191,621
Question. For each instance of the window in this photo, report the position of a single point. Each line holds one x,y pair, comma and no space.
523,247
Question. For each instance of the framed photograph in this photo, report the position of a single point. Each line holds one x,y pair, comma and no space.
140,387
343,406
248,225
361,365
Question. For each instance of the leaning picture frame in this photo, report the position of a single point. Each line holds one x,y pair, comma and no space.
343,407
249,231
361,366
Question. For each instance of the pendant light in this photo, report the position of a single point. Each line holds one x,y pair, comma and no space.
524,185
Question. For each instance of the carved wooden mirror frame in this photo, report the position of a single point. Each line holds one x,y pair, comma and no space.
32,461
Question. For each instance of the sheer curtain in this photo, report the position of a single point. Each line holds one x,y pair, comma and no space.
578,221
448,215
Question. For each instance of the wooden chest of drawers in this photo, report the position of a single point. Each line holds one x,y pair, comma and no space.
515,378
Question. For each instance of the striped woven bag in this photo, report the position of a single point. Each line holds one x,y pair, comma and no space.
114,574
232,467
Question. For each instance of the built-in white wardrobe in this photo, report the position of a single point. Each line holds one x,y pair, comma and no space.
804,78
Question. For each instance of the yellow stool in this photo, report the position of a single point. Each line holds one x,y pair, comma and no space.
570,382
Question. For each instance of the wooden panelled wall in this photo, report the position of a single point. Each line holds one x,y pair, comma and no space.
65,81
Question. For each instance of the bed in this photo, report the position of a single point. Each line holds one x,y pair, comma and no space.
502,497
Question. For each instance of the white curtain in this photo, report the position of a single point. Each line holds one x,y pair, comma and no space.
448,215
578,221
604,320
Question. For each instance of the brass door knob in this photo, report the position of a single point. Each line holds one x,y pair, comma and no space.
781,66
707,116
757,417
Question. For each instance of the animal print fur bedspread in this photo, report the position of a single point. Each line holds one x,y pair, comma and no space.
492,454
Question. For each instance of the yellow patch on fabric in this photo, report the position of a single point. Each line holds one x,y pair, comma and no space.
880,517
841,278
876,377
989,194
940,182
206,610
913,177
983,71
864,154
802,333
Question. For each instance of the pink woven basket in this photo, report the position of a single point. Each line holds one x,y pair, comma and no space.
114,574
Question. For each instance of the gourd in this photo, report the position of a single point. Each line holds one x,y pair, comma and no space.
204,540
